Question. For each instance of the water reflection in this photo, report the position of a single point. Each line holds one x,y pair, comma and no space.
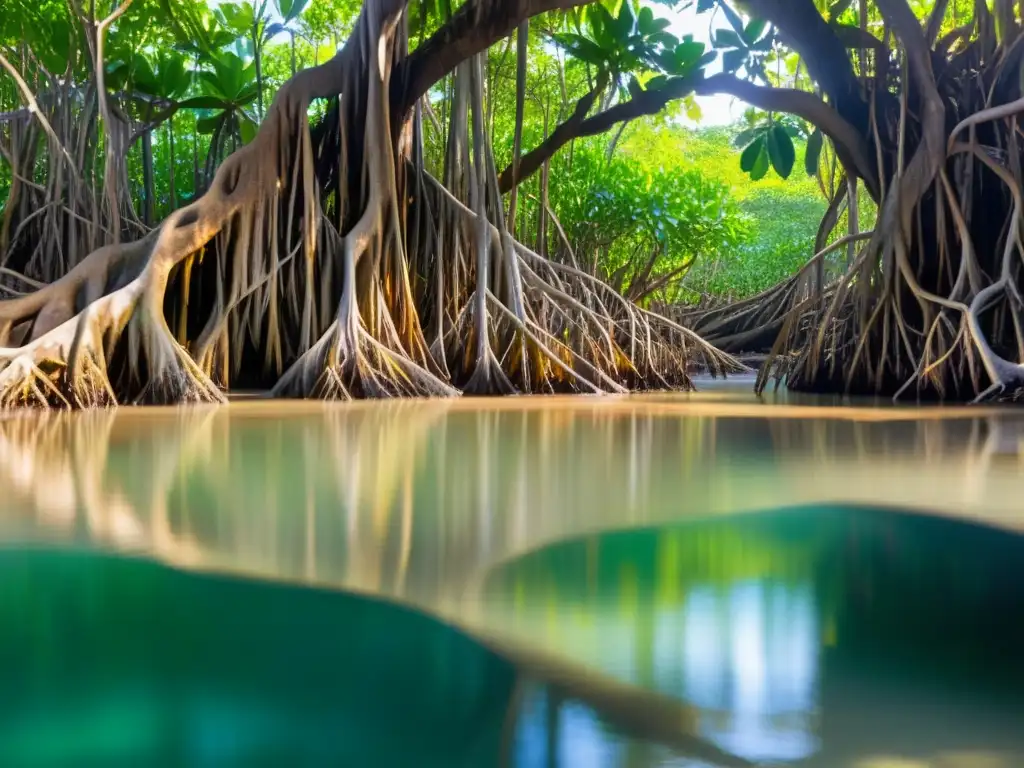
426,502
809,638
418,499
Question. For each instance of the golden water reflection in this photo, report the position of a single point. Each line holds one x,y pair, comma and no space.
418,500
424,502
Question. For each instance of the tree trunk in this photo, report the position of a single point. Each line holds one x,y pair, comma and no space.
147,177
542,207
170,170
522,47
853,219
258,58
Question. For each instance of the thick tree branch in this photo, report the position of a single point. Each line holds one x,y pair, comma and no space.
644,103
562,135
828,62
917,177
851,146
475,27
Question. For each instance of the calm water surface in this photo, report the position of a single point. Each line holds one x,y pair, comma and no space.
617,601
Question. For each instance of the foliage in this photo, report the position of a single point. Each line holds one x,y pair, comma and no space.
779,217
619,215
593,78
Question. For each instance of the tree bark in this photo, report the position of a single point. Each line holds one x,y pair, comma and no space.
522,48
170,170
147,177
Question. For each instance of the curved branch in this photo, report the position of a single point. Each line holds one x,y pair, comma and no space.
475,27
852,148
828,62
851,145
644,103
528,164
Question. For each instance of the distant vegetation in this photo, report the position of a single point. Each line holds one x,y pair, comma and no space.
779,217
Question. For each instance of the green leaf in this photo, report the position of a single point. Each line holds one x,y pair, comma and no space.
686,57
813,156
726,38
732,17
705,5
582,48
693,110
749,157
291,9
601,23
753,31
246,96
665,39
238,17
210,85
209,124
625,22
143,76
733,60
645,21
202,102
248,128
761,164
272,30
743,138
781,151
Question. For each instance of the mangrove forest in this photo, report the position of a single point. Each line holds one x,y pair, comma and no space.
423,198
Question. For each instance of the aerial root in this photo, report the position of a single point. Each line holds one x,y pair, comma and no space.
347,362
578,334
69,366
485,372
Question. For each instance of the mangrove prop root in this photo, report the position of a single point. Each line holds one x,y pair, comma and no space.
329,251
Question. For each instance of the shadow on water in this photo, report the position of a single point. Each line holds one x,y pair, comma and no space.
835,637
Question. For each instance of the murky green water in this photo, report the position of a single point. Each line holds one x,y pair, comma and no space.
272,584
